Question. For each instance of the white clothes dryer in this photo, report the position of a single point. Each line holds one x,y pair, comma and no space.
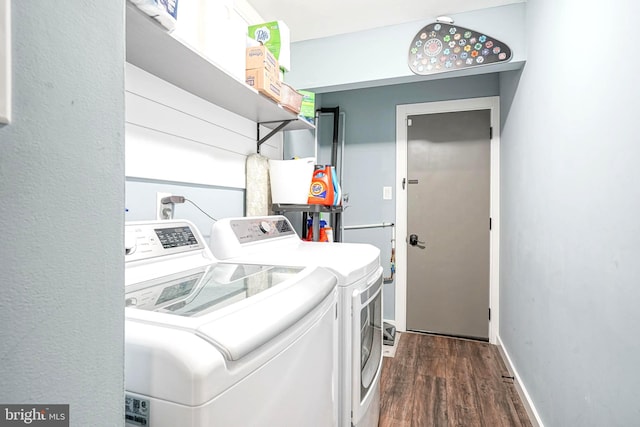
272,240
210,343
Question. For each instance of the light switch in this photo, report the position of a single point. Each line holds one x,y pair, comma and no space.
387,193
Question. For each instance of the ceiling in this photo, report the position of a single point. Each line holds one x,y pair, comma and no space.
323,18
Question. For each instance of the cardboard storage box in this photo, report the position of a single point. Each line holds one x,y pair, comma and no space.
261,57
277,37
265,83
308,107
290,99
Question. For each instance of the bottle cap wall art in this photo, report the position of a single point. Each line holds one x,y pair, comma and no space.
442,47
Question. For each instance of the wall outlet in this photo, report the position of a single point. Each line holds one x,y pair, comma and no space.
387,193
161,212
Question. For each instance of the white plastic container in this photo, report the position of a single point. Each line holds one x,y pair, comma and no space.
216,31
290,180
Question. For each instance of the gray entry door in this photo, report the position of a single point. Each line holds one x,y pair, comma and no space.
448,168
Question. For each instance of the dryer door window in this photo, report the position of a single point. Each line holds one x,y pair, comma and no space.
370,340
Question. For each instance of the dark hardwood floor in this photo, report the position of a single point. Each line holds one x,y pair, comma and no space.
441,382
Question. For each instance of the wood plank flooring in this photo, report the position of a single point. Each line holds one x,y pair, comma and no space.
446,382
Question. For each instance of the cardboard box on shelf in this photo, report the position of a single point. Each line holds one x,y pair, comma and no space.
290,99
261,57
308,106
277,37
264,82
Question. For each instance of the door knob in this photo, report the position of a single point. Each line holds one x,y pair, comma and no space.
413,241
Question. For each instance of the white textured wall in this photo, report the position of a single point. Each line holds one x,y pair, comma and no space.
61,216
570,246
173,135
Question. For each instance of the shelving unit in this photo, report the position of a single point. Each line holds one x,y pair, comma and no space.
280,208
335,212
152,48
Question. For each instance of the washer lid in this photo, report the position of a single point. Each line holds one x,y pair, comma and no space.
244,330
235,307
349,261
197,292
271,240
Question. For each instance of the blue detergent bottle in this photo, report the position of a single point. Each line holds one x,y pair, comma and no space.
323,231
337,193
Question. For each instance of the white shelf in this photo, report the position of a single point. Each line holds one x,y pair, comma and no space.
152,48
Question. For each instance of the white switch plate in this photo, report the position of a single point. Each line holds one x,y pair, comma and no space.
387,193
5,61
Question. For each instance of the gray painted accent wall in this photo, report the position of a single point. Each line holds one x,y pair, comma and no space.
62,211
370,151
378,57
570,209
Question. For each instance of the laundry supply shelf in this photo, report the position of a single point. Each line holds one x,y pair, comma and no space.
286,207
152,48
281,208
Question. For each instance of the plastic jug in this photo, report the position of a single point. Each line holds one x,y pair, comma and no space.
322,236
321,189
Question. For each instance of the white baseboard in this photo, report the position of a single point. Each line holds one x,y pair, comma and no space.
522,391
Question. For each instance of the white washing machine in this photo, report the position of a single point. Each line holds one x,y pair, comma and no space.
225,344
272,240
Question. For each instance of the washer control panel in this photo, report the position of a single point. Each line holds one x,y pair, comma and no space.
149,240
256,229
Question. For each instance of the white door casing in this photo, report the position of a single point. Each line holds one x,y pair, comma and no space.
402,112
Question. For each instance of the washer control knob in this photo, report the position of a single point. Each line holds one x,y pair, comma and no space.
265,227
129,243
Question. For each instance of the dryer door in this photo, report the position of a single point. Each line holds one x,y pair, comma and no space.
370,336
367,351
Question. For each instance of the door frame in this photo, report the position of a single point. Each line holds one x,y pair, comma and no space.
402,112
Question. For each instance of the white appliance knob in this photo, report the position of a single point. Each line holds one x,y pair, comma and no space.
129,243
265,227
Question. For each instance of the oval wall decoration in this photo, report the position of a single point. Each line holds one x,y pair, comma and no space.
442,47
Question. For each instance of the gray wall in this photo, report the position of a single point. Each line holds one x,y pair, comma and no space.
378,57
570,205
370,152
62,211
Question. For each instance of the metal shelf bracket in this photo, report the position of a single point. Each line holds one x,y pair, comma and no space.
273,131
